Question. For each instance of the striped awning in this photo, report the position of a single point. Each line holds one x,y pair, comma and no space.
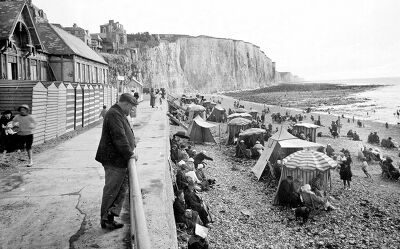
309,160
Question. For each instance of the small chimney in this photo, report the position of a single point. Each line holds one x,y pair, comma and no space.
75,26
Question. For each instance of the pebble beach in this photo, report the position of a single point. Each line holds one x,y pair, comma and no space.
241,206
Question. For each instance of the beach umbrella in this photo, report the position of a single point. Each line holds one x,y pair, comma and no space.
239,121
240,115
241,110
309,160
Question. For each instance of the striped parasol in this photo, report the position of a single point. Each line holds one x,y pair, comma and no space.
309,160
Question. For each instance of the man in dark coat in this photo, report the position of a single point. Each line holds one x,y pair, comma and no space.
115,149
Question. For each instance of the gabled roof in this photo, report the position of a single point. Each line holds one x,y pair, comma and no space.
59,42
10,12
281,135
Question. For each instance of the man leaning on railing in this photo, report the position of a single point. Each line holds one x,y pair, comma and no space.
116,147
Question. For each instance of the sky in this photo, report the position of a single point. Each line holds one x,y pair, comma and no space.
314,39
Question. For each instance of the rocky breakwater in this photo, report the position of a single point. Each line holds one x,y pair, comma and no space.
206,64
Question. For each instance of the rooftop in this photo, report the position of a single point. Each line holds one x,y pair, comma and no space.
59,42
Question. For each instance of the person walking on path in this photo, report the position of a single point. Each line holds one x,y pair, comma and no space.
103,112
26,124
152,98
116,148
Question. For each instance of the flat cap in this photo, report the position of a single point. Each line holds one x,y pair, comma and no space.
127,97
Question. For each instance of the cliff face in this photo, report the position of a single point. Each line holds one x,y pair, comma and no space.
204,64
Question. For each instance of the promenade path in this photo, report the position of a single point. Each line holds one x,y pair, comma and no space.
56,203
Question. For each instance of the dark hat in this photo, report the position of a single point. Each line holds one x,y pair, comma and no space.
127,97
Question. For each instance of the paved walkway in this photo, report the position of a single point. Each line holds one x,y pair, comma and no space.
56,203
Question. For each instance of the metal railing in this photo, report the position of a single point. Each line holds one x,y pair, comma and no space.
140,238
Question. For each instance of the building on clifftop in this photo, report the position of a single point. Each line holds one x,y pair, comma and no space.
114,37
80,33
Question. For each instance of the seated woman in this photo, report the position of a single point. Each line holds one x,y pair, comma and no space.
311,200
183,215
287,195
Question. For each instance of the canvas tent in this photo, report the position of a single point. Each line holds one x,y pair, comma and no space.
193,110
199,131
304,165
280,145
217,114
308,130
234,127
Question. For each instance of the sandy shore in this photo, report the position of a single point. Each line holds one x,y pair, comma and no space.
367,216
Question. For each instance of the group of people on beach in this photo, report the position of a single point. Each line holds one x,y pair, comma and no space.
190,210
17,133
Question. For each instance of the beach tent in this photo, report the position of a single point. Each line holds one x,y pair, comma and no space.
240,115
193,110
217,114
281,144
251,136
234,127
304,165
307,129
199,131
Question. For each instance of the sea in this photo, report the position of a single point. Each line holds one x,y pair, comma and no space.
380,104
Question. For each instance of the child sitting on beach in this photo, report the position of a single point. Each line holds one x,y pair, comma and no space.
364,167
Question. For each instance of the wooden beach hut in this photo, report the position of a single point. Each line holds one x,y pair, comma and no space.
113,95
91,104
32,93
71,108
309,130
105,96
109,96
96,102
51,123
86,105
101,94
78,106
61,109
